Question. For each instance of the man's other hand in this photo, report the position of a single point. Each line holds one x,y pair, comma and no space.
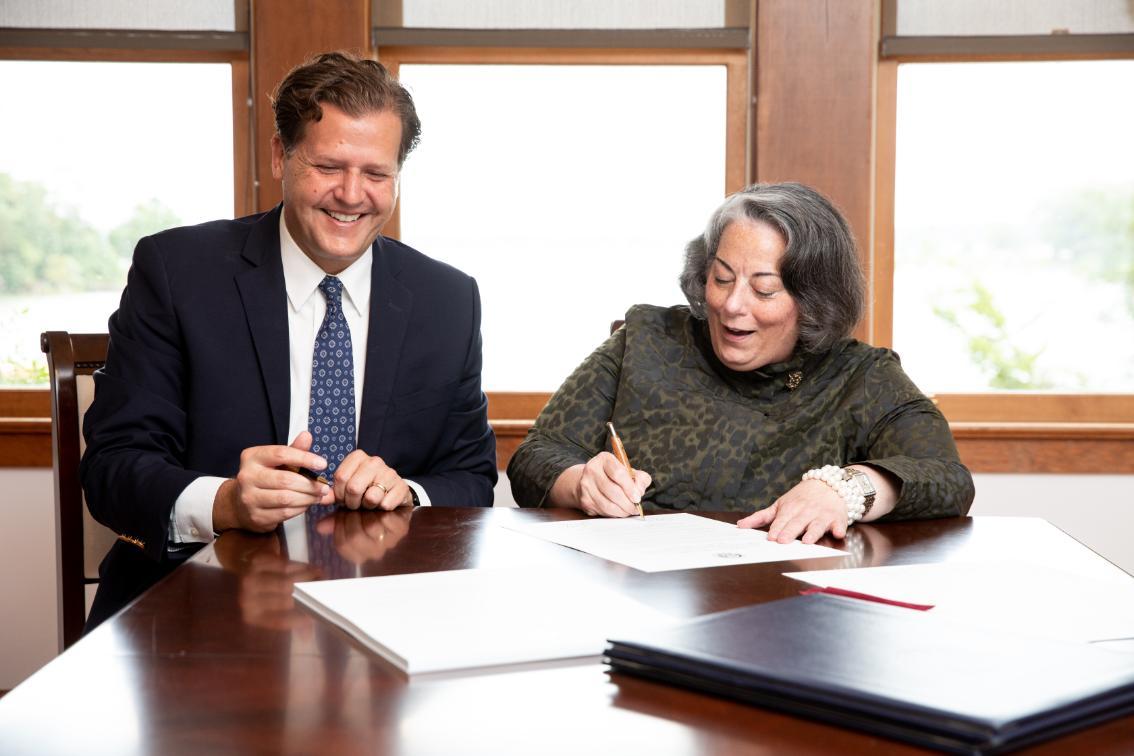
362,481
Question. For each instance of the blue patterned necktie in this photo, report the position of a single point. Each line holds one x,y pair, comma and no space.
331,415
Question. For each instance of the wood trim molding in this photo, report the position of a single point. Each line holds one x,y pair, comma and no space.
1043,431
1021,448
516,405
615,39
25,442
125,39
737,111
815,104
558,57
121,55
509,434
1027,407
243,149
984,447
285,33
1006,47
1008,449
25,402
879,326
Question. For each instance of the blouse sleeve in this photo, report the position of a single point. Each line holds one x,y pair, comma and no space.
572,427
909,437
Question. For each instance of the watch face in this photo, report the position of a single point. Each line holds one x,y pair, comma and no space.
862,480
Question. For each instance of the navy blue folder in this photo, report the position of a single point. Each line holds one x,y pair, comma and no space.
889,671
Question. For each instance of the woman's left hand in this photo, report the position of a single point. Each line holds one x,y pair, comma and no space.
813,508
807,511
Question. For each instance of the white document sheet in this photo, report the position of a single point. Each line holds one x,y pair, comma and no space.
465,619
1024,597
682,541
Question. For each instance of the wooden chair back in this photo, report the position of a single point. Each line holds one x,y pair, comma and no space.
80,542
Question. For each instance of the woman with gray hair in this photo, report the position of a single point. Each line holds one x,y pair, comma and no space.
754,396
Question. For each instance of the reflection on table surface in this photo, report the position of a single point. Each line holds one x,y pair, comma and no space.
219,655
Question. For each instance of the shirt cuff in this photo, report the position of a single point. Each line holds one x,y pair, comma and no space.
192,518
422,496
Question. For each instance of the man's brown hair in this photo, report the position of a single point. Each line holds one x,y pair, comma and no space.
354,85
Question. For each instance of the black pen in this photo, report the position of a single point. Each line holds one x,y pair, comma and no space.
309,474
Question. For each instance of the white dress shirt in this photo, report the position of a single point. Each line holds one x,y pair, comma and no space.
192,518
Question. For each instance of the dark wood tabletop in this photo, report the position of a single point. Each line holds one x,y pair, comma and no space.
219,658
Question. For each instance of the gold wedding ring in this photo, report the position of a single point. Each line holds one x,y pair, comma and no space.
384,489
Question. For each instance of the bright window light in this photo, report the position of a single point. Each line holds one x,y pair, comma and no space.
95,156
1014,226
569,192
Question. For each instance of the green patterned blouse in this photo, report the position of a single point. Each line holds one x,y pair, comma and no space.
719,440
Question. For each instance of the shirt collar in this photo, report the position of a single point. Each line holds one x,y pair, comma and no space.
302,276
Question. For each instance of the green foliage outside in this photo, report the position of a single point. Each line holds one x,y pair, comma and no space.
45,249
1092,233
25,373
990,345
1096,230
148,218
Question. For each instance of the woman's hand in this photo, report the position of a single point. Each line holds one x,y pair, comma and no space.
600,487
810,509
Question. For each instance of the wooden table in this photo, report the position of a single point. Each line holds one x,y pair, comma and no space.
218,657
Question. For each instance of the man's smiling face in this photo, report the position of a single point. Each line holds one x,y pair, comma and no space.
340,184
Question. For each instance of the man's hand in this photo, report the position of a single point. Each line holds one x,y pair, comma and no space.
365,536
362,481
267,578
263,494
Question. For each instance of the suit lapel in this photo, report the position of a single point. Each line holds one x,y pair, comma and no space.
390,306
264,297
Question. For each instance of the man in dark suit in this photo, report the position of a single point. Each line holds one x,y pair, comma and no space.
296,339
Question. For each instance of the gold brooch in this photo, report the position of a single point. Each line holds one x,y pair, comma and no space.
794,378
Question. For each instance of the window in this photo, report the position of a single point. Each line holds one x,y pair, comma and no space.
99,154
569,192
1014,226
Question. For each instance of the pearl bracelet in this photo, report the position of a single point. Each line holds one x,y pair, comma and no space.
838,479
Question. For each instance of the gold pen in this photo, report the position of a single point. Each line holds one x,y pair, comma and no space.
620,453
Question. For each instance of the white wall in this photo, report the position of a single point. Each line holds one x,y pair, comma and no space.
1098,510
28,612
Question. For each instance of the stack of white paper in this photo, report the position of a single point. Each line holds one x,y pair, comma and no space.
462,619
1023,597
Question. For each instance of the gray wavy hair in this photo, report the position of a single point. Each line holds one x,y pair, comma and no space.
820,268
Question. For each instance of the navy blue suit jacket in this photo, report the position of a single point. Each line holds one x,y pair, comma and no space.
198,370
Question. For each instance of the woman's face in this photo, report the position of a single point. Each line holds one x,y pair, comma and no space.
753,321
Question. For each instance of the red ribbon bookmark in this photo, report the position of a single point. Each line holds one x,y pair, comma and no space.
866,597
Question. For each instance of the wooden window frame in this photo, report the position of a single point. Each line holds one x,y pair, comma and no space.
511,413
735,62
25,413
1020,432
